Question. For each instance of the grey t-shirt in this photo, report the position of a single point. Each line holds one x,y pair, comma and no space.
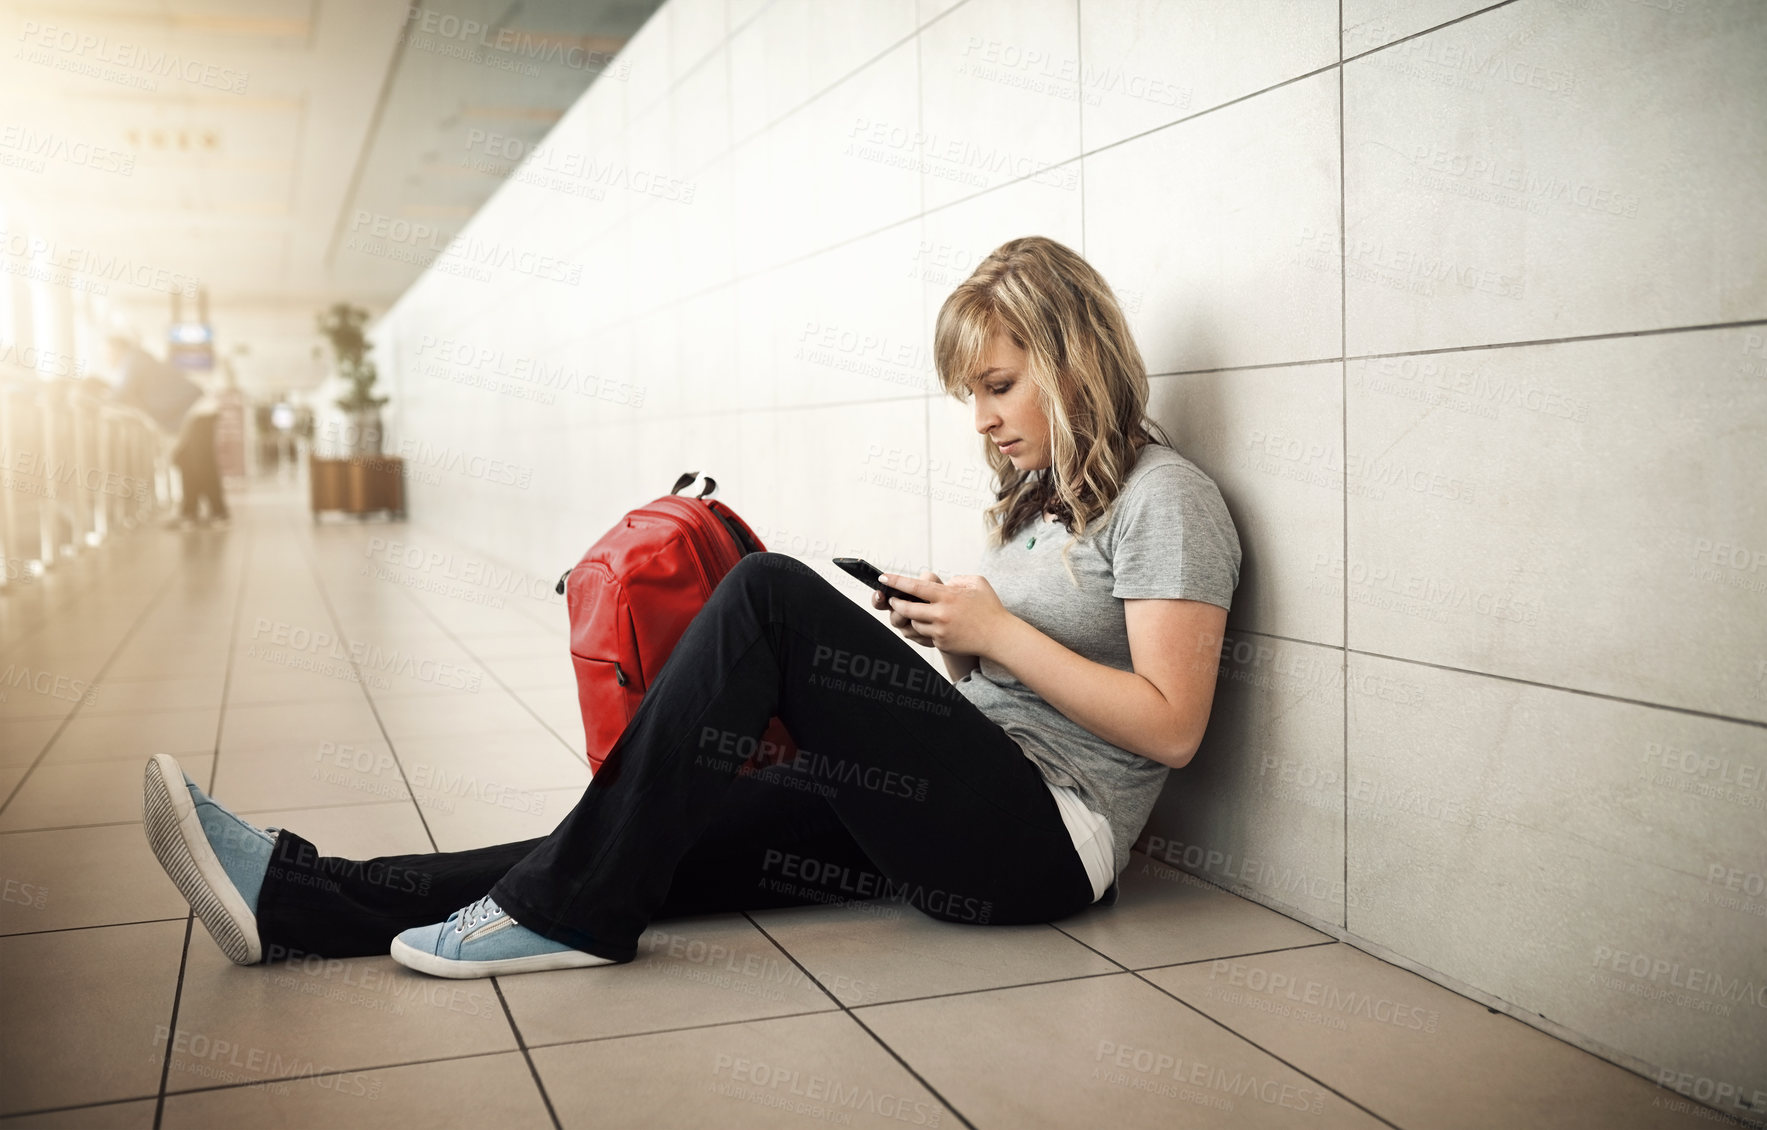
1167,534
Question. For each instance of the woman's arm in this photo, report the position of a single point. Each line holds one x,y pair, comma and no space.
959,663
1159,709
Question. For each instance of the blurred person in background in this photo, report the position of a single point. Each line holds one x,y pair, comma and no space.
185,412
194,456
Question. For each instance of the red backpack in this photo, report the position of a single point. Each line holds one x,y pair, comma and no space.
634,593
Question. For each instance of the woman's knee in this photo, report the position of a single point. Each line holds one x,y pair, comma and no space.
767,569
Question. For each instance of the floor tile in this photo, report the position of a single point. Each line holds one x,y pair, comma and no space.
29,690
498,1091
526,759
135,1115
561,714
1104,1051
142,660
689,971
120,696
250,1022
86,792
885,951
325,774
551,670
1372,1031
358,831
22,739
298,726
255,681
476,819
117,737
1164,916
89,1022
488,649
489,711
71,877
824,1068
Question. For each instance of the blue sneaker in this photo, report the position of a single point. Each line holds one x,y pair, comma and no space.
482,940
217,860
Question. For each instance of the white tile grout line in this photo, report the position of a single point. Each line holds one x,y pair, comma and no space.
848,1010
159,1106
1343,445
152,602
527,1057
306,548
247,548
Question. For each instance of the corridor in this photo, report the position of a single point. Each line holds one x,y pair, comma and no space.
381,690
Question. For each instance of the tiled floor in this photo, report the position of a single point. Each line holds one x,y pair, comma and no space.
1182,1006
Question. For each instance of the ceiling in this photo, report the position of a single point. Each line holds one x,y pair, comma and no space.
236,142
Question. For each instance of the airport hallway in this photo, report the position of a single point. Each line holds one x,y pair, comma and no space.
381,690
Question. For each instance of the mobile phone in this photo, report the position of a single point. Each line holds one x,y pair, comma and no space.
869,573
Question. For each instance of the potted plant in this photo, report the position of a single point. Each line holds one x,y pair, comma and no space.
342,327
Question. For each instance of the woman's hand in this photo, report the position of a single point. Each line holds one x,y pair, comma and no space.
898,621
963,615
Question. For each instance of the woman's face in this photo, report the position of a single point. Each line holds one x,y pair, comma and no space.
1006,405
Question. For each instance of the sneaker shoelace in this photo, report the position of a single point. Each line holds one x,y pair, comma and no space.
481,911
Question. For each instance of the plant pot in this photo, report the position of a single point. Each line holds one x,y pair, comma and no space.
362,433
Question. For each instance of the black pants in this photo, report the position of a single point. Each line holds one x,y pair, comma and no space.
199,470
900,790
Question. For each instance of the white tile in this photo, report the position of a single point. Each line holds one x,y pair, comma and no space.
854,484
962,486
829,180
796,48
1145,63
648,58
1260,808
999,100
1371,23
1569,514
1592,861
1271,440
1221,225
954,240
696,30
1502,183
700,110
847,324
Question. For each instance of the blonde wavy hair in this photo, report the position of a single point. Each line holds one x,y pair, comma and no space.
1091,382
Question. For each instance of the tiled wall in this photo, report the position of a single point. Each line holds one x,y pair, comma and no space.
1460,304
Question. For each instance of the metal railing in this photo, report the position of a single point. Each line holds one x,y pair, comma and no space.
74,470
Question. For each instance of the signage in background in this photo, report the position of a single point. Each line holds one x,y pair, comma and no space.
191,344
